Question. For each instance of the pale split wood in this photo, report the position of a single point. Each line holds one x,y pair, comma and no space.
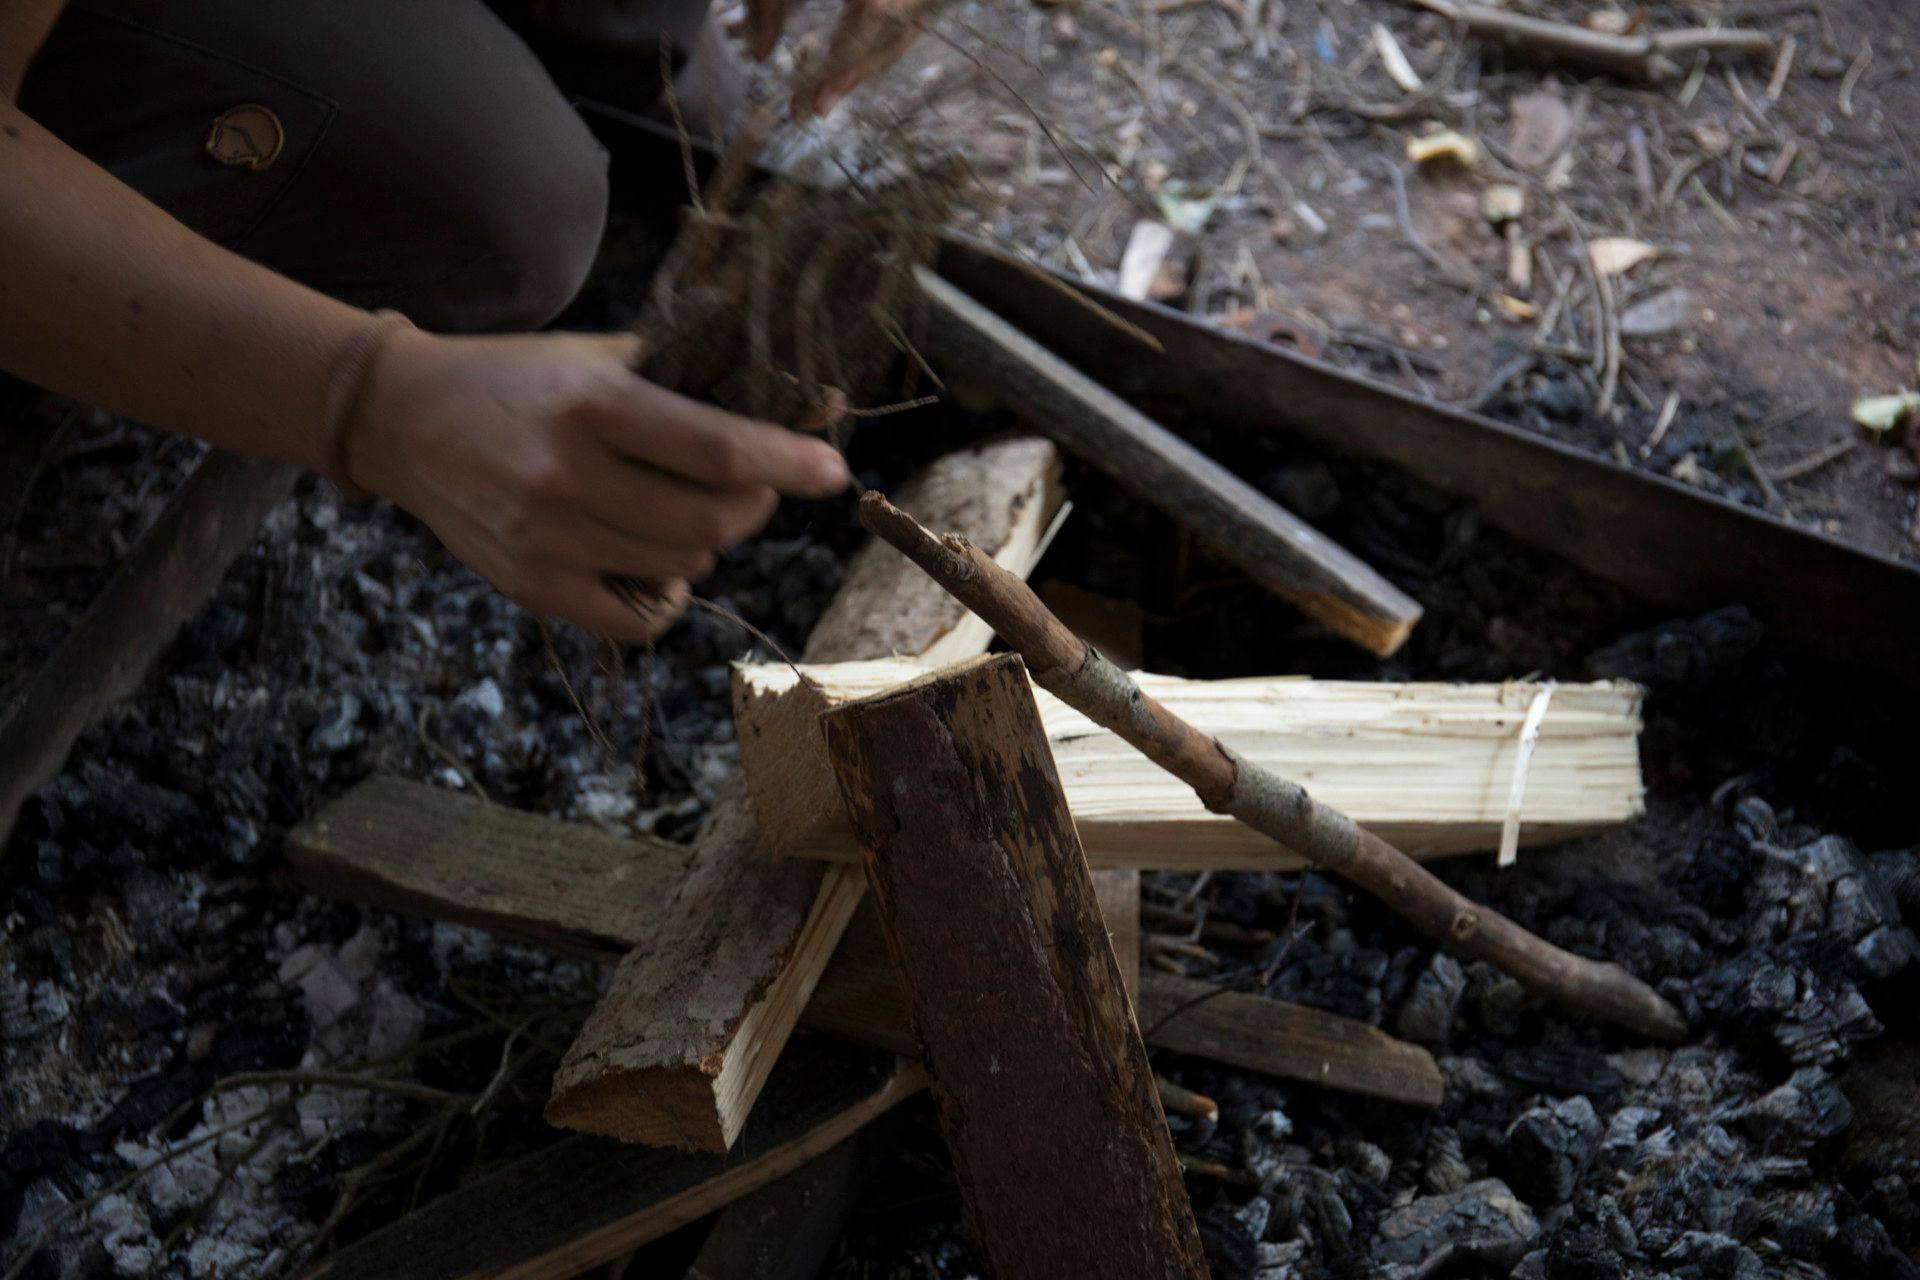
1426,766
1046,1095
677,1050
473,875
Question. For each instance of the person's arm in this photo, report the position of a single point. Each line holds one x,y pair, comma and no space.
540,460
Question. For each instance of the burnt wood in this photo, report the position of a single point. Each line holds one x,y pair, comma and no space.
587,1200
165,579
1046,1095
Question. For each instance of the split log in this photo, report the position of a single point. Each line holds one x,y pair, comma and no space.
676,1052
586,1201
1065,666
1244,526
169,574
1046,1096
462,861
1426,767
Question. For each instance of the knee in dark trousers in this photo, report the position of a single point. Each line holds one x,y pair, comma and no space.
427,161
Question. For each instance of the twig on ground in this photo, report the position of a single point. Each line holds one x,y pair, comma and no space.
1816,460
1654,56
1851,81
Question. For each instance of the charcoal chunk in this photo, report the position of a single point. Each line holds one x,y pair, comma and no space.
1483,1222
1426,1015
1807,1110
1546,1149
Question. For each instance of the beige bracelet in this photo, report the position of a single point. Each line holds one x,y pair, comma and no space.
345,388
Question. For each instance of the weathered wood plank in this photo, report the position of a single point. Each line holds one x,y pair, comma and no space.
1046,1095
405,847
1288,1040
585,1201
676,1052
168,575
1243,525
1425,766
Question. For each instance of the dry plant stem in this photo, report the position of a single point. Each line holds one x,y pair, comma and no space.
1065,666
1654,57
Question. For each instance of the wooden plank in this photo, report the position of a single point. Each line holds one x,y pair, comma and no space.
1244,526
1665,541
570,888
675,1054
1427,767
1046,1096
165,579
585,1201
1287,1040
858,997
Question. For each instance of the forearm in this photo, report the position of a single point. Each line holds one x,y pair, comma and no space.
105,298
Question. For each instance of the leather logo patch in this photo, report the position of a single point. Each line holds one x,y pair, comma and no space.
247,137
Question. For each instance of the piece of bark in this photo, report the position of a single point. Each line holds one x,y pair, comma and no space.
1046,1095
164,580
479,882
1244,526
585,1201
1427,767
1288,1040
677,1050
1067,667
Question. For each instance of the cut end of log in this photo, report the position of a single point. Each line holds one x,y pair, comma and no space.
659,1108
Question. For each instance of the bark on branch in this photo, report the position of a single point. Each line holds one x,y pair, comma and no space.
1065,666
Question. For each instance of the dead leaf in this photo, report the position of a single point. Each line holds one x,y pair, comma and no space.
1662,313
1445,145
1503,202
1147,247
1884,413
1539,126
1394,59
1617,255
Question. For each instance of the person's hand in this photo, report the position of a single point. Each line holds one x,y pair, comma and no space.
546,465
869,37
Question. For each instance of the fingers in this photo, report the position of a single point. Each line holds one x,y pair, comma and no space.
633,501
590,603
698,442
870,37
765,18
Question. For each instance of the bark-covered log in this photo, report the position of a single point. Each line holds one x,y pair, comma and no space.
1046,1095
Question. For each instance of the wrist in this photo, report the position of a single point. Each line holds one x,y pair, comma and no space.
349,385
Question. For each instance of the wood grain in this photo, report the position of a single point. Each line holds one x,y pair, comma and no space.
1046,1095
1425,766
